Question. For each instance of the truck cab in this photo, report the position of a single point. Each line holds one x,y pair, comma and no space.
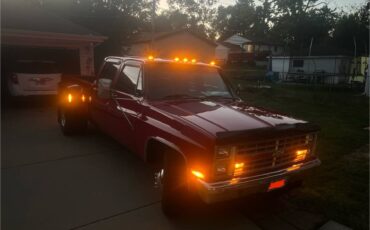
185,119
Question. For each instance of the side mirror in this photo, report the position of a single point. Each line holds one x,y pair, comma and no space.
104,88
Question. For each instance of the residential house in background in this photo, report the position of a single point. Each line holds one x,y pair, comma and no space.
31,33
314,69
253,50
182,43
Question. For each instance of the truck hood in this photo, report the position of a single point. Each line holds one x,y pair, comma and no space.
215,117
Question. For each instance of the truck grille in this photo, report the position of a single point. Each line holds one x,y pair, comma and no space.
266,155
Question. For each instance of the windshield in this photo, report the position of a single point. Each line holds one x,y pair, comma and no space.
173,80
36,67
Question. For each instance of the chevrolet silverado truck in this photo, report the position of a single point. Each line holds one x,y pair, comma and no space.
186,119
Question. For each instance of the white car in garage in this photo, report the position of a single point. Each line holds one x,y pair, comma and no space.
33,77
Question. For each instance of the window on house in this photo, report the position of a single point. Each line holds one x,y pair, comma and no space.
298,63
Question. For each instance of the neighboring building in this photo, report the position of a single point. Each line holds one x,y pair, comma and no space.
225,51
178,43
30,33
320,69
359,67
255,50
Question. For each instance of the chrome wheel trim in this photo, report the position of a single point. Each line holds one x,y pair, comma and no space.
62,119
158,178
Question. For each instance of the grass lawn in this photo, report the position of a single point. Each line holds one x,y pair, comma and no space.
339,188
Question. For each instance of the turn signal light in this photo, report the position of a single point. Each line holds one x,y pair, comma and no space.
212,63
193,60
70,98
300,155
197,174
185,60
238,168
294,167
177,59
150,57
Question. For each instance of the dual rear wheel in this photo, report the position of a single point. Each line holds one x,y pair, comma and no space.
72,122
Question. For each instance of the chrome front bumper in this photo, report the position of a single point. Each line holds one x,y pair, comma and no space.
236,187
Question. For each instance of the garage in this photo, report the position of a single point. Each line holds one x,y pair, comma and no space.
29,33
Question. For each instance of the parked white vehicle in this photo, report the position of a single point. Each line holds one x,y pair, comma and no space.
34,77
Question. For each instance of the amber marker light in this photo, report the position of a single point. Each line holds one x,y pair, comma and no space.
185,60
300,155
238,168
177,59
83,98
150,57
90,98
293,167
197,174
70,98
193,60
212,63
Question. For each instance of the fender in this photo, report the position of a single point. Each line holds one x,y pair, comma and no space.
166,143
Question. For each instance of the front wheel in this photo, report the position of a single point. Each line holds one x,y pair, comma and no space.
174,187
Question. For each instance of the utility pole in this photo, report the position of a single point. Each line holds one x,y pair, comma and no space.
153,24
309,52
355,53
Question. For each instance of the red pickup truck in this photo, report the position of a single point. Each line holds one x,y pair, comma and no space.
186,119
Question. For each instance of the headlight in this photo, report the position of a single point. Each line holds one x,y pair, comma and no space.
221,168
223,160
223,152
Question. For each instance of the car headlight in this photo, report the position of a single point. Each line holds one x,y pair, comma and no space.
223,160
223,152
221,167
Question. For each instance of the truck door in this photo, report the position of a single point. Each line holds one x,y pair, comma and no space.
101,103
127,108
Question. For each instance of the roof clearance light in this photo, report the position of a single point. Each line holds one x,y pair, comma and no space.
197,174
212,63
177,59
193,60
185,60
150,57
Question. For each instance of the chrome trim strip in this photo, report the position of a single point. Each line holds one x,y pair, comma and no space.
229,184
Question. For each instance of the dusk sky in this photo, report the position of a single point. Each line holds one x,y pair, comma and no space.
339,4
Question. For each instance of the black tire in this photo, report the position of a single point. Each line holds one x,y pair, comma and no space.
174,187
71,123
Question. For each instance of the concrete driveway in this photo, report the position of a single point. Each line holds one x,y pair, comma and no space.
83,182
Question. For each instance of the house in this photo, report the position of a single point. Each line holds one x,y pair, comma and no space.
254,49
318,69
28,32
227,51
179,43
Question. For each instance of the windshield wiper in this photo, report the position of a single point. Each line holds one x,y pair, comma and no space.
180,96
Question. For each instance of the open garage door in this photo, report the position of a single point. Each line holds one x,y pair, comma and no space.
64,61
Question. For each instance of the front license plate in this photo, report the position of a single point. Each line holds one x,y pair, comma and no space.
277,184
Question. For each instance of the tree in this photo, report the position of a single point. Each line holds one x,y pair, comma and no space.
199,14
353,27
